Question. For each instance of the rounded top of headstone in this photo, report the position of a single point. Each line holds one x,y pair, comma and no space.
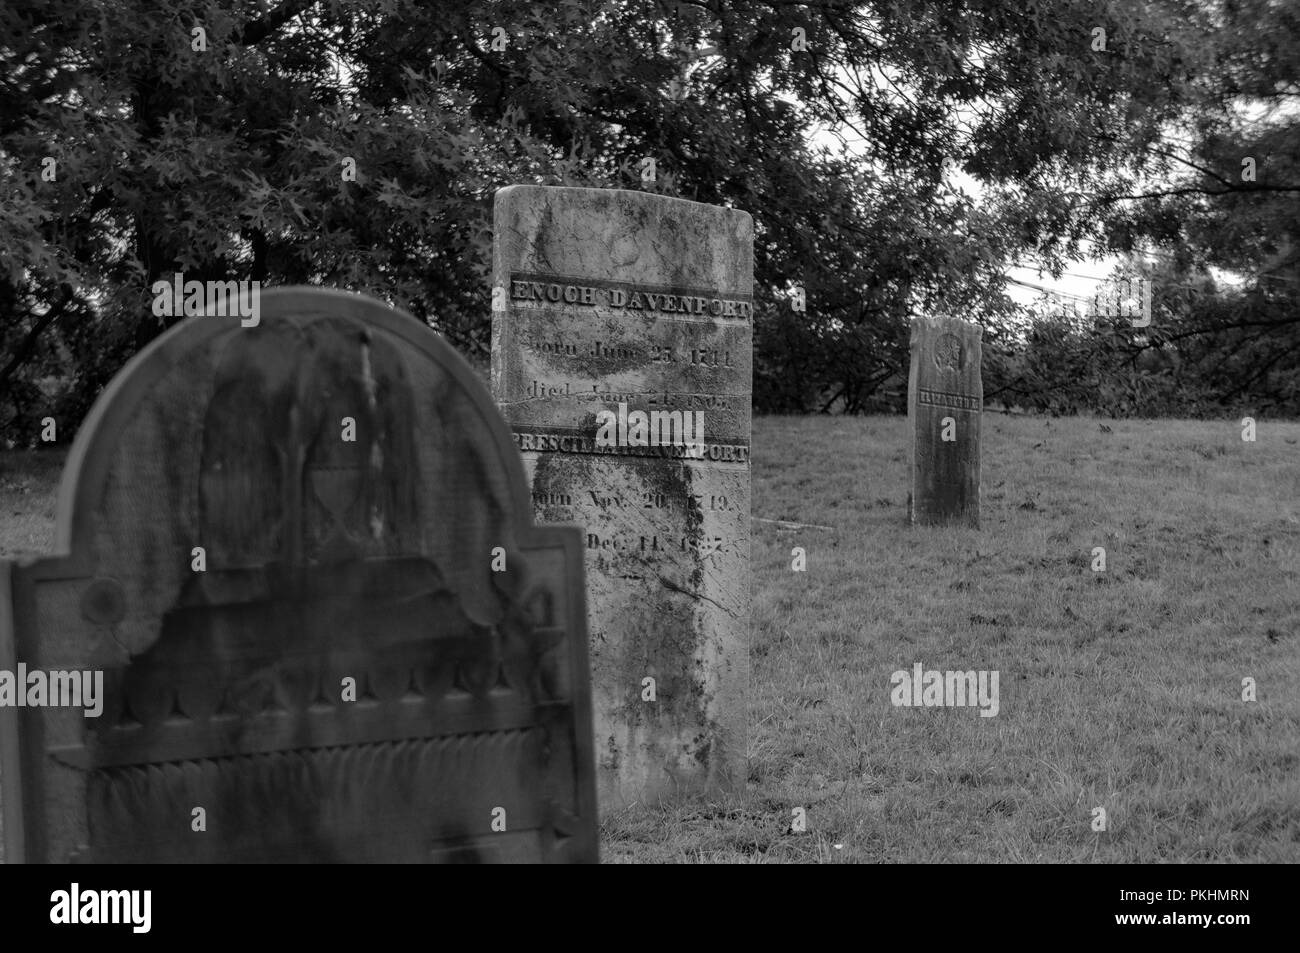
322,426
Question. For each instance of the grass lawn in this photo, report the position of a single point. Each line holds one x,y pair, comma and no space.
29,483
1118,690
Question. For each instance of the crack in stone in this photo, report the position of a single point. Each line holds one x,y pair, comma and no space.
669,584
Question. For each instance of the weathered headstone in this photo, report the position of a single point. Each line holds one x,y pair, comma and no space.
302,556
609,304
945,399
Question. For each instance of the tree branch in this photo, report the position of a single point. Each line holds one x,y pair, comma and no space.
23,351
1191,190
258,30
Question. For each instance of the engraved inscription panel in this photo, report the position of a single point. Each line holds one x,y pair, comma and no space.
644,306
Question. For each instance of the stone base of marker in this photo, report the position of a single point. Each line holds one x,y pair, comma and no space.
945,400
611,299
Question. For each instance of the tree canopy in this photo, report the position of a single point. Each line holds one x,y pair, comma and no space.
212,138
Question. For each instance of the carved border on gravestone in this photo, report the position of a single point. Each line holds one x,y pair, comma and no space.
499,678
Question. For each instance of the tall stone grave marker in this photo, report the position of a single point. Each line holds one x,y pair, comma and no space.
611,305
945,399
301,555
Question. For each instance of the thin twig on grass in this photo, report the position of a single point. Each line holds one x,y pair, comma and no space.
788,524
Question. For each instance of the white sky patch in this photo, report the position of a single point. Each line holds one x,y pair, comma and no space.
1083,281
1080,280
1086,275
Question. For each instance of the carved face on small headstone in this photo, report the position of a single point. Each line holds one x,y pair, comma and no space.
947,353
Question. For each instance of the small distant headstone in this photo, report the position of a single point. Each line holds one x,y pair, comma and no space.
945,399
621,356
300,559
